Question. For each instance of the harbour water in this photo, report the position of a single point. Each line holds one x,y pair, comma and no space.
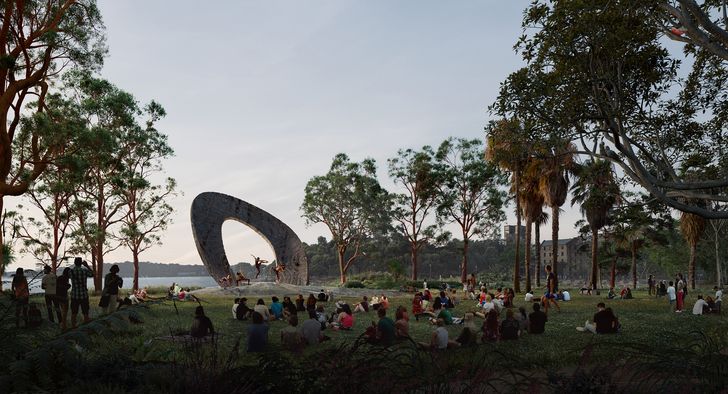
183,281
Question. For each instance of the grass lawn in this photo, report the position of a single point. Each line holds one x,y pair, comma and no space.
650,329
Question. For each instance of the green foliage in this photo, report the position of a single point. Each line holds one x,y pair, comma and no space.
354,284
351,203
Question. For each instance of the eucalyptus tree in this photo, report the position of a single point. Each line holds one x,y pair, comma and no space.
349,200
470,192
599,74
38,41
413,170
597,191
115,143
697,24
147,209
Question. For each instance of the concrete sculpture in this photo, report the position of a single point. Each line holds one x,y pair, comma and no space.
210,210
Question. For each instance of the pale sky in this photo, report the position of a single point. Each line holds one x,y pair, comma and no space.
260,95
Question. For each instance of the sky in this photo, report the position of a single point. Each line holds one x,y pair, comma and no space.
260,95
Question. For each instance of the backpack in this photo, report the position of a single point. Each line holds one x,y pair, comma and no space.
34,316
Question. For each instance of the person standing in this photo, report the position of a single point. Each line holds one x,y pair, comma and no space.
680,299
62,286
551,289
651,284
48,283
671,294
112,284
22,295
79,291
718,297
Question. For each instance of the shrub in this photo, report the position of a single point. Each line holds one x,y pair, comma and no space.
354,284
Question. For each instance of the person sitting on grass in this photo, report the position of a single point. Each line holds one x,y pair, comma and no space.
401,323
292,335
537,320
243,312
201,324
529,296
322,297
522,319
417,307
611,294
258,334
262,309
628,296
565,295
467,336
276,308
345,319
300,303
604,321
490,327
385,328
445,300
440,339
289,308
236,303
701,306
321,316
182,295
362,306
311,303
510,328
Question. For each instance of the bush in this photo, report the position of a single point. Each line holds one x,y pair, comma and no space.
354,284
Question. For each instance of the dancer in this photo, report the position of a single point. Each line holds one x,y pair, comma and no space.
258,262
278,269
240,277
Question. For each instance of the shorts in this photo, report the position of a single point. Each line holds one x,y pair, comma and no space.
83,303
550,296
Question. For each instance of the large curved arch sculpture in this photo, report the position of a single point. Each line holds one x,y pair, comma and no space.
209,211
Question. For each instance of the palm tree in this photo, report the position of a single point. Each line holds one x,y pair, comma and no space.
540,220
596,190
531,204
507,147
692,227
554,185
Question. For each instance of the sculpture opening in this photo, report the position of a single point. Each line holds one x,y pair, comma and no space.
208,213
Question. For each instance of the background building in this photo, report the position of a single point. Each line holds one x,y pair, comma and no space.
509,233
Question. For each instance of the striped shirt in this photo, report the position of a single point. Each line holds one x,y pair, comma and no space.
78,281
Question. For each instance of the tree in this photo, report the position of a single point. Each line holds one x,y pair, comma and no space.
596,190
113,137
147,209
38,40
599,75
692,227
469,192
532,202
508,147
540,220
691,23
558,160
414,171
351,203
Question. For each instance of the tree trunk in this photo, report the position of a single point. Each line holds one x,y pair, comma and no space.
135,285
555,245
634,265
413,259
718,268
2,242
99,274
527,253
517,264
537,247
342,272
464,266
612,280
595,265
691,265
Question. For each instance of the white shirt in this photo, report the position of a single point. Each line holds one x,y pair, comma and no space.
263,310
235,308
488,306
698,307
529,297
719,295
671,293
442,337
49,283
567,296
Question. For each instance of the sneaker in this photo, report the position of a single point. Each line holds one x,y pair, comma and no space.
580,329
